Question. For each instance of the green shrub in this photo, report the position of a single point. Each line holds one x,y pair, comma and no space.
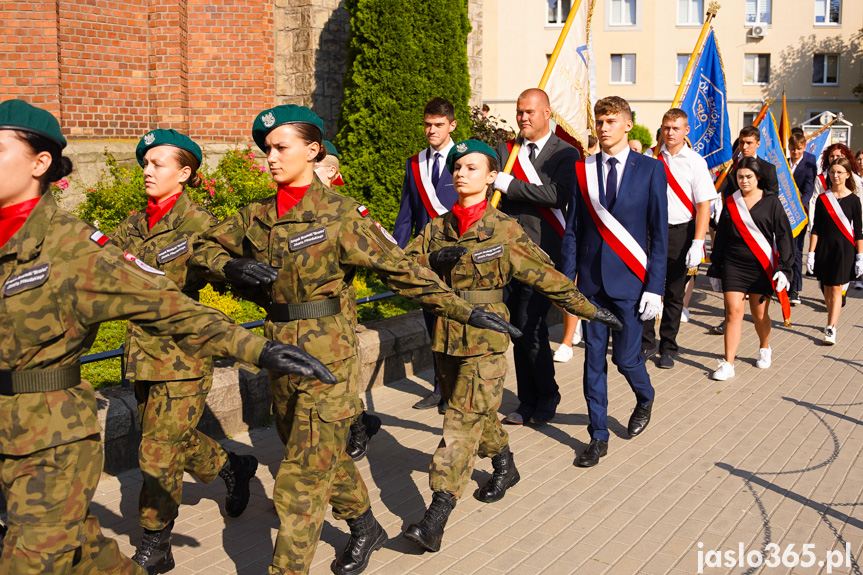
642,134
401,54
366,284
236,182
486,128
117,194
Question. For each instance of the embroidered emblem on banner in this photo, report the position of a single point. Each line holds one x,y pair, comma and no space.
173,251
307,239
487,254
29,279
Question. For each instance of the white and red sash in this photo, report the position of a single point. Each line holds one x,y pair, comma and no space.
422,179
676,188
839,217
755,240
823,179
613,233
524,171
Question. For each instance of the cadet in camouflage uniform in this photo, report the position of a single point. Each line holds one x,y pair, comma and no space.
307,241
478,250
171,386
60,279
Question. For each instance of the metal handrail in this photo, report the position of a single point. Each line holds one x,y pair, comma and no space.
111,354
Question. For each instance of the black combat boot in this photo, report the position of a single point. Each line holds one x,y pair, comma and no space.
362,430
505,476
367,536
154,552
428,533
237,473
3,530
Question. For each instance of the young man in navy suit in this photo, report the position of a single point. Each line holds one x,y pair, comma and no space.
428,193
804,170
616,242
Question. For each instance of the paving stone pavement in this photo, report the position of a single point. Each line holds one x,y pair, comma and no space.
770,457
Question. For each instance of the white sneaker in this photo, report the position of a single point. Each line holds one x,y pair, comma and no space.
725,371
577,336
684,315
563,354
763,358
858,285
830,336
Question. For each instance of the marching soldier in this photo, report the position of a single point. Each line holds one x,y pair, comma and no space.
478,250
60,279
171,386
304,245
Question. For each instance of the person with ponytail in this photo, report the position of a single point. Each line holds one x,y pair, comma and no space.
60,279
302,246
171,386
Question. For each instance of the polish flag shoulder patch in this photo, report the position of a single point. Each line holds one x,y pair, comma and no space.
100,238
364,211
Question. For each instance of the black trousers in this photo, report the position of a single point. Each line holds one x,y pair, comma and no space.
534,366
797,280
679,240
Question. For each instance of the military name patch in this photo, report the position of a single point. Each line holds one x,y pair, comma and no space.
385,233
173,251
100,238
29,279
307,239
364,211
142,265
487,254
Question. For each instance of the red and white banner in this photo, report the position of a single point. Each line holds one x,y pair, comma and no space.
524,171
427,191
839,217
613,233
675,187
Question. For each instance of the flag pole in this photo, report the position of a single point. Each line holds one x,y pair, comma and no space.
570,19
764,107
824,128
784,127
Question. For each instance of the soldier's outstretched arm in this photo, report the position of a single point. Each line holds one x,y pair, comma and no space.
216,247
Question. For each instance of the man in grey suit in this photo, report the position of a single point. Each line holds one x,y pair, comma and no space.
536,194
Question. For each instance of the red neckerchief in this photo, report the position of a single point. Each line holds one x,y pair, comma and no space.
156,212
288,197
468,216
13,217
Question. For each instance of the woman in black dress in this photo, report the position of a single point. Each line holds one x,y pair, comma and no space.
741,272
837,240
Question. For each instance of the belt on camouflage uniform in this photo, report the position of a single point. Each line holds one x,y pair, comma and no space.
481,296
39,380
284,312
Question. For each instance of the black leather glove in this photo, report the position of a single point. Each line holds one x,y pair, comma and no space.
604,316
247,272
486,320
286,358
446,256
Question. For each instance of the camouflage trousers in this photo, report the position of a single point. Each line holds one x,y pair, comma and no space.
473,389
315,471
51,529
169,411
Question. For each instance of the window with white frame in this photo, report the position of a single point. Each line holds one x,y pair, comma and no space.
682,61
756,68
622,13
558,11
749,118
828,11
825,69
622,69
690,12
759,12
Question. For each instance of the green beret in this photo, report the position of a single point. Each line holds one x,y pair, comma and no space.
269,120
19,115
331,149
468,147
167,138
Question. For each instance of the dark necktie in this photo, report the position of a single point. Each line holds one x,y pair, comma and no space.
436,169
611,183
532,154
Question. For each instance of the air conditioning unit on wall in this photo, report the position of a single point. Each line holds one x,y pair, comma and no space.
758,31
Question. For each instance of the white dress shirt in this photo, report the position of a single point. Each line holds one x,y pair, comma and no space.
694,179
442,162
621,158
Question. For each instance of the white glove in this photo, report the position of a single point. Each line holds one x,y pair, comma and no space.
502,181
858,265
715,284
810,263
781,282
696,251
650,306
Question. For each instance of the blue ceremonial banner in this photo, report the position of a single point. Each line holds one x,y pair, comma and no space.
770,150
816,145
706,106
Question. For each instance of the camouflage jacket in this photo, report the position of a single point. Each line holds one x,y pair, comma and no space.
317,246
499,250
166,247
49,318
